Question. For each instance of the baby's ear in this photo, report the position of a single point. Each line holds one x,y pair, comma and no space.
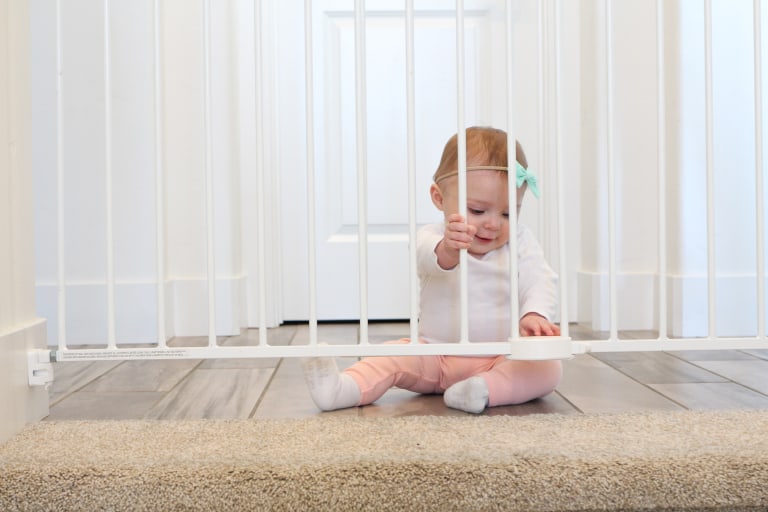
437,196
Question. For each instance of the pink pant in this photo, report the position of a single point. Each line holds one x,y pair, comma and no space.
509,382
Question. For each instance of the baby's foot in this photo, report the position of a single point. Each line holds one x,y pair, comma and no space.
469,395
328,388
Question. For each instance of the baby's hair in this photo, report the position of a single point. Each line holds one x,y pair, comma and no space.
485,147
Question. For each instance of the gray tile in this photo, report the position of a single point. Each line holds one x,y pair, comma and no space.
594,387
287,395
714,395
582,332
214,394
380,332
279,336
271,388
579,332
751,374
400,402
553,403
333,334
712,355
154,375
656,367
759,353
190,341
104,406
70,376
638,335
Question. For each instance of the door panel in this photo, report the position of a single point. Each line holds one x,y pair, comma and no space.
335,158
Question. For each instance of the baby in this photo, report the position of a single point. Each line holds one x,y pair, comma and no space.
468,383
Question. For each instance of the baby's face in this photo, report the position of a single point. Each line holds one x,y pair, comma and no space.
487,207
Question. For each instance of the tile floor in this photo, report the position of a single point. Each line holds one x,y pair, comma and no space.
274,388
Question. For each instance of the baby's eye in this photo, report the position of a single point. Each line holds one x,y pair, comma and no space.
505,215
475,211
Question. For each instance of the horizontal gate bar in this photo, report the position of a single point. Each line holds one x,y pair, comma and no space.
524,348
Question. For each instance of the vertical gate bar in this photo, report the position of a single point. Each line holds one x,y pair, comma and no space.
541,49
311,203
159,176
759,182
711,291
411,130
514,305
462,170
362,162
561,196
543,80
207,148
61,285
662,168
108,179
261,207
610,170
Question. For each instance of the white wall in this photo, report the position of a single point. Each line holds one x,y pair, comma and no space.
733,173
635,154
142,204
20,328
633,165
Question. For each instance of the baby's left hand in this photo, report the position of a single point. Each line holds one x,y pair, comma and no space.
533,324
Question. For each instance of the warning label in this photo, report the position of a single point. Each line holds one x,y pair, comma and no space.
121,354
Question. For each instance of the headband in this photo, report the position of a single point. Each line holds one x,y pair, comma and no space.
523,175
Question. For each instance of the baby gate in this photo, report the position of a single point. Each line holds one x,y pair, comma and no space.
686,300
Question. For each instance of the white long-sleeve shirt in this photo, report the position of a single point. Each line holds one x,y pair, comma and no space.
488,289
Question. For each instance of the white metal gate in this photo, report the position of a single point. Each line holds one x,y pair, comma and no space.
607,294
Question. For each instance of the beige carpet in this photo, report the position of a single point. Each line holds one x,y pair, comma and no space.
660,461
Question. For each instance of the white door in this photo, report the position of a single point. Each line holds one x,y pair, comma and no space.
338,294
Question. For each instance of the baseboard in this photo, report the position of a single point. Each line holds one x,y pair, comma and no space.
19,403
136,311
636,298
687,303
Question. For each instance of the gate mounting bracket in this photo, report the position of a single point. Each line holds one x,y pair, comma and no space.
39,367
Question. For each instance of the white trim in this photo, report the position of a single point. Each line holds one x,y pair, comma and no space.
8,333
20,403
687,303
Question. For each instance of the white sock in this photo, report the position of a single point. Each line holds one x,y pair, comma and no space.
469,395
328,388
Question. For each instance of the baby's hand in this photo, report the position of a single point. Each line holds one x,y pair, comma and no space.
458,234
533,324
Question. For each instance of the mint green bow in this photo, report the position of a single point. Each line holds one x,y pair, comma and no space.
526,176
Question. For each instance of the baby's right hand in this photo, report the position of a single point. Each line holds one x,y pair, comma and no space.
458,234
